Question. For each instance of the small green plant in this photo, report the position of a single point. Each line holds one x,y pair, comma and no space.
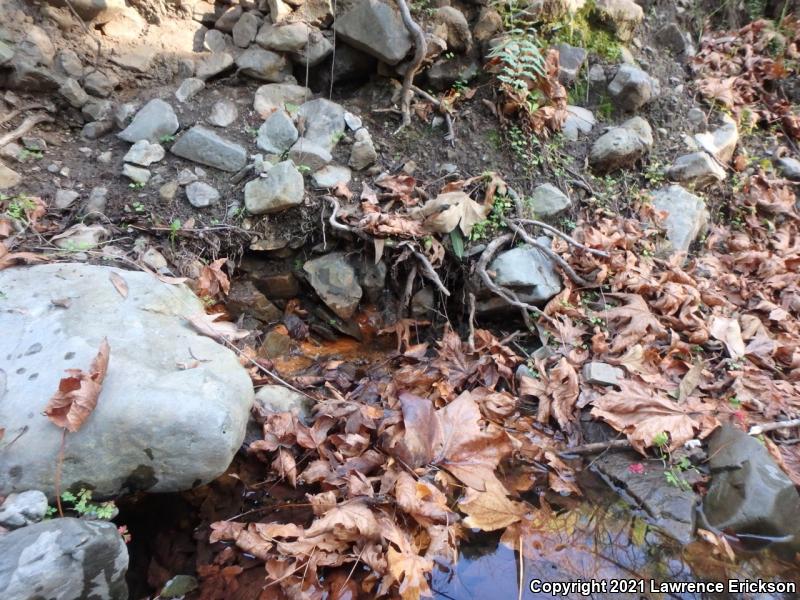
174,228
136,185
674,470
166,139
337,137
81,504
304,169
25,154
494,222
138,207
19,206
654,173
252,131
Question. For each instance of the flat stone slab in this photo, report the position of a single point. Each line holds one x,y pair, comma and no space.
203,146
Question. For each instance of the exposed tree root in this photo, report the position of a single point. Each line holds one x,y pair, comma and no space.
26,125
420,49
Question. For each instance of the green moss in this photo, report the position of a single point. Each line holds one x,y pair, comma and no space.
580,30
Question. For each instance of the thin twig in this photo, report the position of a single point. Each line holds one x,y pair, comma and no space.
564,237
26,125
471,339
448,119
595,447
339,225
427,268
421,48
759,429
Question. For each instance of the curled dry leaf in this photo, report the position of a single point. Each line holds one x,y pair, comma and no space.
119,284
77,394
491,509
213,280
221,331
729,333
450,210
8,259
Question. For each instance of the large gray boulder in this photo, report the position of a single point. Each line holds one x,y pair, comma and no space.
323,121
335,281
153,121
376,28
203,146
632,88
157,426
277,134
697,169
282,188
622,146
263,65
686,216
750,495
64,559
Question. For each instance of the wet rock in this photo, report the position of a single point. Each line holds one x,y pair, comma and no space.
201,195
670,508
750,495
789,168
309,155
547,201
144,153
318,48
631,88
64,558
678,42
136,174
600,373
376,28
188,88
697,169
570,62
216,41
73,93
579,121
274,96
223,113
8,177
323,122
277,398
622,146
263,65
452,26
25,508
100,83
621,16
289,37
153,121
213,65
245,30
97,109
686,217
228,19
146,430
334,280
277,134
363,153
201,145
244,298
331,176
282,188
528,272
722,141
276,344
65,198
98,198
444,72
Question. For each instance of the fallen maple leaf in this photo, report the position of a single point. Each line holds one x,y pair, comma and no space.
217,330
8,259
213,280
453,209
491,509
563,387
352,521
729,333
423,501
643,414
77,394
632,322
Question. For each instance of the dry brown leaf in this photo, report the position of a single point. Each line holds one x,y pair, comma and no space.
423,501
8,259
221,331
213,280
632,322
77,394
285,465
563,388
642,413
352,521
409,568
119,284
5,228
729,333
453,209
490,510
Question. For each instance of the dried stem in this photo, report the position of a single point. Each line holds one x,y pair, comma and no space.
420,49
759,429
26,125
339,225
427,268
451,134
571,241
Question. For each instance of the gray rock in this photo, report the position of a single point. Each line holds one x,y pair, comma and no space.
100,83
36,47
216,41
65,198
69,63
632,88
245,30
308,154
686,216
277,134
64,558
73,93
528,272
263,65
123,114
750,495
213,64
547,201
352,121
144,153
138,60
488,25
452,26
598,80
444,72
154,120
179,586
272,399
136,174
80,237
622,146
570,61
671,509
274,96
97,109
203,146
789,168
279,11
188,88
579,121
423,303
6,53
721,142
376,28
318,48
372,279
245,298
601,373
363,153
697,117
697,169
324,122
96,129
678,42
289,37
98,198
156,426
622,16
185,177
331,176
223,113
228,19
25,508
8,177
201,195
317,13
282,188
334,280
